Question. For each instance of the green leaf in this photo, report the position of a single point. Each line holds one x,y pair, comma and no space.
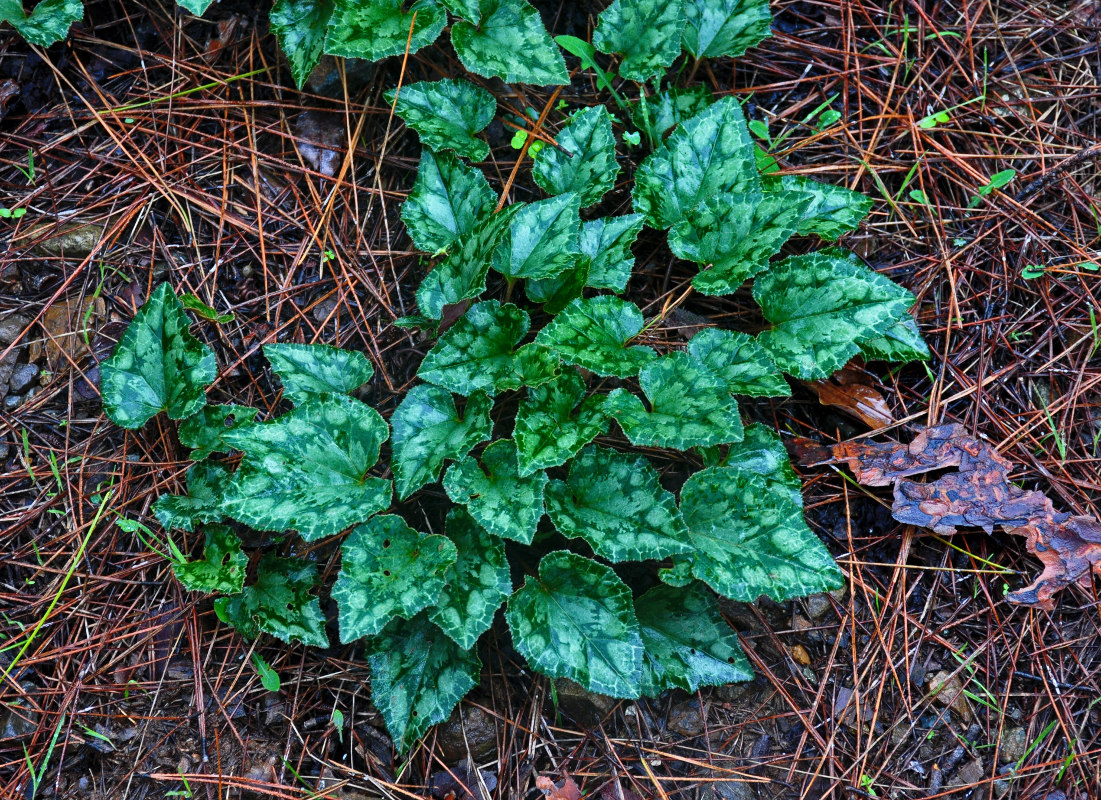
157,366
615,502
750,539
192,303
558,292
387,569
584,161
477,584
822,307
725,27
48,23
541,240
509,42
206,483
593,333
735,237
656,114
647,33
577,621
477,352
222,567
446,114
205,432
738,362
418,676
375,29
689,407
687,642
462,275
307,370
300,27
279,603
269,678
470,10
900,342
448,201
428,430
763,452
607,243
496,495
196,7
833,210
308,470
553,423
707,155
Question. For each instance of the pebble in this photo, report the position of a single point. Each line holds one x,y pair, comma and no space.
22,377
687,718
970,773
1013,744
11,327
949,692
480,734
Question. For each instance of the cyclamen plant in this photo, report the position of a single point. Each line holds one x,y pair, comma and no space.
576,508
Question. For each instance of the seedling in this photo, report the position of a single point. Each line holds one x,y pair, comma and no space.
997,181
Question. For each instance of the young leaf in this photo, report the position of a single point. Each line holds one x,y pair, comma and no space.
428,430
734,237
205,432
900,342
222,567
307,470
553,423
477,584
833,210
300,27
822,307
735,359
418,676
725,27
656,114
387,569
647,33
496,495
762,452
375,29
49,22
279,603
541,240
448,201
750,539
593,333
558,292
509,42
307,370
206,483
196,7
689,407
446,114
269,678
707,155
576,620
157,366
607,243
584,160
615,503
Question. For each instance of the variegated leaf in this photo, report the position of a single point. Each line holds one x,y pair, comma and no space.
554,422
448,201
306,370
206,485
278,603
583,162
725,27
739,362
647,33
204,432
222,567
593,333
376,29
446,114
541,240
496,495
509,42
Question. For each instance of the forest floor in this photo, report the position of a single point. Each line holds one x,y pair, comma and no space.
155,146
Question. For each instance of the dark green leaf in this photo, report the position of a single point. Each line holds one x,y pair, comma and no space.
900,342
584,160
375,29
593,333
689,407
822,308
418,676
725,27
307,370
553,423
707,155
656,114
496,495
763,452
206,483
205,432
477,352
541,240
428,430
833,210
300,27
308,470
738,362
448,201
157,366
577,621
48,23
510,43
687,642
607,243
446,114
477,584
222,567
647,33
279,603
615,502
558,292
387,569
470,10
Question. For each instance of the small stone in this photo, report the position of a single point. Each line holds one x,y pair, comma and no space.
11,327
728,790
818,605
687,718
1001,787
471,727
22,377
800,654
1014,743
19,723
948,690
68,240
579,704
969,774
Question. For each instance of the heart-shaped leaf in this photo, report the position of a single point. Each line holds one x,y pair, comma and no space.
738,362
763,452
615,503
725,27
554,422
833,210
205,432
656,114
647,33
576,620
222,567
901,342
593,333
387,569
307,370
279,603
375,29
448,201
157,366
49,22
496,495
584,160
541,240
206,485
607,243
446,114
300,26
509,42
428,430
476,353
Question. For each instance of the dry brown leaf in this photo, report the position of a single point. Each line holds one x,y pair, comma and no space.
568,790
847,391
63,326
978,495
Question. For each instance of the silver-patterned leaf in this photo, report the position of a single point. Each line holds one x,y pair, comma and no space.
739,362
555,421
448,201
593,333
509,42
279,603
541,240
376,29
446,114
583,162
205,432
222,567
206,485
307,370
496,495
647,33
725,27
